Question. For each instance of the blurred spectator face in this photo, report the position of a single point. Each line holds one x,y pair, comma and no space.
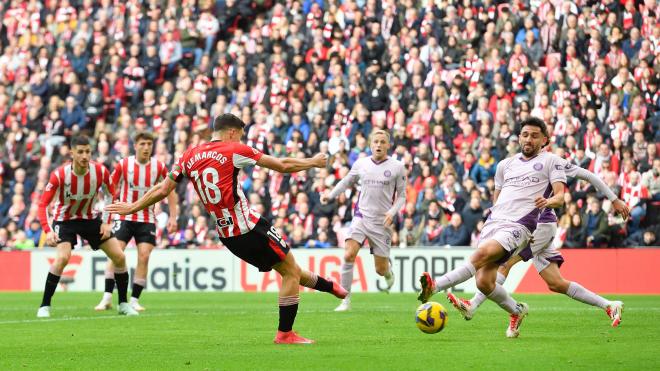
456,220
475,203
594,205
649,238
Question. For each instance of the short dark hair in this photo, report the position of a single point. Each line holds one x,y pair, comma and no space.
226,121
535,121
79,140
143,135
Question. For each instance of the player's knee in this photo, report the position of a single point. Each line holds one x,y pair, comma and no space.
295,272
558,286
349,257
485,286
61,262
479,258
143,258
119,260
381,270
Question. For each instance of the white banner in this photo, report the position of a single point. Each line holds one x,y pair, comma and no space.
219,270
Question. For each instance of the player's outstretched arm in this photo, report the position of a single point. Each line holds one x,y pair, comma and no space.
155,194
292,165
619,206
343,184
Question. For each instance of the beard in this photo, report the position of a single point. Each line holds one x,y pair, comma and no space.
529,151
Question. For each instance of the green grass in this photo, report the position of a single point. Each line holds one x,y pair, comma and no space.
196,331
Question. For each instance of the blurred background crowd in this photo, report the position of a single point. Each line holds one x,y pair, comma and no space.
449,79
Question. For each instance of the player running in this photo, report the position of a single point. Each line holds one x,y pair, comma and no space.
382,195
547,259
523,185
74,187
131,179
213,167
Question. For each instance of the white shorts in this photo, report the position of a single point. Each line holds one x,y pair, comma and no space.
542,249
378,236
511,235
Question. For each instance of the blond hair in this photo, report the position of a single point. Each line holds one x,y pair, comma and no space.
380,131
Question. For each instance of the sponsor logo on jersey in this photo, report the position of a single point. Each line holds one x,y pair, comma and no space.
225,222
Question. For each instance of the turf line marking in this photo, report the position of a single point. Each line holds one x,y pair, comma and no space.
115,316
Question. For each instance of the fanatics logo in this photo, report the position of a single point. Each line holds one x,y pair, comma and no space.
387,173
538,166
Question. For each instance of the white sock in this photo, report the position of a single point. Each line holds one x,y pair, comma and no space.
479,297
107,296
503,299
347,276
388,274
579,293
453,278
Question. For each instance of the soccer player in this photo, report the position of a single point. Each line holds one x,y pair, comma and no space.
131,179
382,195
547,259
74,187
213,167
523,185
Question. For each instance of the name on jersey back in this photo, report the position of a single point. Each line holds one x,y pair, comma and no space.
213,155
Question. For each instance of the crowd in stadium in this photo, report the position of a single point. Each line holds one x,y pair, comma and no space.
449,79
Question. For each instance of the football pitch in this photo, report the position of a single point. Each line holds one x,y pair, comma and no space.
220,331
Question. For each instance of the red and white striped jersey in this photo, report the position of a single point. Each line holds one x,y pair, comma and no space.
74,194
131,180
213,168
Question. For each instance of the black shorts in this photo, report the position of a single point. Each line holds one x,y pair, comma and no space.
262,247
89,230
124,230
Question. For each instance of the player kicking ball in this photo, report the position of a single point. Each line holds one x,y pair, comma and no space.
131,179
523,185
382,195
74,187
213,168
547,259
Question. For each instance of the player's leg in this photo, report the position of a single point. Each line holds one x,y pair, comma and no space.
351,249
380,241
112,250
122,231
488,251
553,278
140,276
288,301
313,281
469,307
106,300
384,269
62,257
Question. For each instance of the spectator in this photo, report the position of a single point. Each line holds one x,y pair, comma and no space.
455,234
431,232
575,237
635,195
73,116
595,224
472,213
